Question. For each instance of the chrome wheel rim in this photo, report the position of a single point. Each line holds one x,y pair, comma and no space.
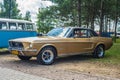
100,51
47,56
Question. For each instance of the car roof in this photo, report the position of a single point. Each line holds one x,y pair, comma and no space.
77,28
15,20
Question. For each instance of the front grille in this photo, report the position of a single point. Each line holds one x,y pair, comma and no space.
15,44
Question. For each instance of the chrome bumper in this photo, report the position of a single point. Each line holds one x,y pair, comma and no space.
21,51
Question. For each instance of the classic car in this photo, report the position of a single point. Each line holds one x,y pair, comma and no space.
60,42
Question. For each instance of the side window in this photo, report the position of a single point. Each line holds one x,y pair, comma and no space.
92,33
3,26
81,33
12,26
29,27
21,26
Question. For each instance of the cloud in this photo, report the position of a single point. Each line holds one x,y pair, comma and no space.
1,1
32,6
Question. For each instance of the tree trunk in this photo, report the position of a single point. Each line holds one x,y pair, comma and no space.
93,15
92,22
116,19
106,24
79,13
87,21
88,15
101,18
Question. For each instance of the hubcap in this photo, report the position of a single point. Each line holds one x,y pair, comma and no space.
47,56
100,51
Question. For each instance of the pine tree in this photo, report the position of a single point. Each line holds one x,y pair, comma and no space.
9,9
87,13
28,16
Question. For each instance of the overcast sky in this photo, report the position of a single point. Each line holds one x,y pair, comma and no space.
32,6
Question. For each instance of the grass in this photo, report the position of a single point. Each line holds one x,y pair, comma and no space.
112,56
3,49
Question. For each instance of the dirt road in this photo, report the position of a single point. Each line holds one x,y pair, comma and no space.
67,68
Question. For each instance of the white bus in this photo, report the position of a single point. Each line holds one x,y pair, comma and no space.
14,28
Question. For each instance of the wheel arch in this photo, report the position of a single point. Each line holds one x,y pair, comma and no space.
99,54
102,44
48,45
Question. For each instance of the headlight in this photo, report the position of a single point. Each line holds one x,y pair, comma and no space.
30,46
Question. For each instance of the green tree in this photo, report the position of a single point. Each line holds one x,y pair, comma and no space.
9,9
86,13
45,20
28,16
1,10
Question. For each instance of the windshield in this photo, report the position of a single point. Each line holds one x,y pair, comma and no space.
61,32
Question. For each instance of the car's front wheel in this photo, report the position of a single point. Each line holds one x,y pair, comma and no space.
24,57
46,56
99,52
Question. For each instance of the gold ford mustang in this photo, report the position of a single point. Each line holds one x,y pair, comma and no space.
58,42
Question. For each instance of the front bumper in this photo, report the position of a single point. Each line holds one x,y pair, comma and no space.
19,51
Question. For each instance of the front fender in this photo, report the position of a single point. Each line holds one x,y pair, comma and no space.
45,45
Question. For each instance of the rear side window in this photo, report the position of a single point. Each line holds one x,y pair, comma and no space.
29,27
3,26
79,33
92,33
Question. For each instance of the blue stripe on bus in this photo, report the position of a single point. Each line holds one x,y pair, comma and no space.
6,35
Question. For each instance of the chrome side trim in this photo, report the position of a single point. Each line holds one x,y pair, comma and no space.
71,54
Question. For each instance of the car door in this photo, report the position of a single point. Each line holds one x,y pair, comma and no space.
80,42
94,39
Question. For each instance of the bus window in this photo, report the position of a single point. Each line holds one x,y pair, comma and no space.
3,26
29,27
21,26
12,26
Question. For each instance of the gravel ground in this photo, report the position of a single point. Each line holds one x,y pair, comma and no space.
66,68
9,74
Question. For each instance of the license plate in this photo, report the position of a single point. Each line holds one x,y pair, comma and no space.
14,52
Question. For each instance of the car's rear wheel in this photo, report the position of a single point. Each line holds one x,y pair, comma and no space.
99,52
46,56
24,57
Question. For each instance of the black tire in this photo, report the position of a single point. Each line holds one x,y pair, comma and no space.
46,56
24,57
99,52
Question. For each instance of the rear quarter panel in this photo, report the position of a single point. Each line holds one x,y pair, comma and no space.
107,42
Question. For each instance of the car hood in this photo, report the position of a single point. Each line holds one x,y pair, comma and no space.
34,39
